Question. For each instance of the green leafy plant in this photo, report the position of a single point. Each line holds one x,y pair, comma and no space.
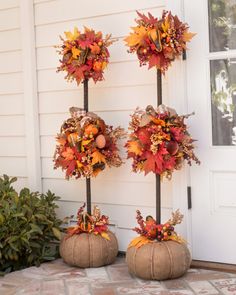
29,227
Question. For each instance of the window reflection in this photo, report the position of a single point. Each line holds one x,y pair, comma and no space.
222,25
223,101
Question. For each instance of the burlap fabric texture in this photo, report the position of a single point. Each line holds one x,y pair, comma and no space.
89,250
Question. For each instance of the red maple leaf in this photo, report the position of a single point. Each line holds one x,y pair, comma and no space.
144,136
177,133
85,43
79,73
169,163
90,35
149,164
150,19
77,154
158,157
154,61
71,168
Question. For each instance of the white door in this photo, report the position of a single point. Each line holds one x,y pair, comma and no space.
211,92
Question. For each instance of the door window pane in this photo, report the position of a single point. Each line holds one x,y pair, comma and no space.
222,25
223,101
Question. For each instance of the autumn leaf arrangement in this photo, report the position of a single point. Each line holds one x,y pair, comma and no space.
158,42
84,55
94,223
149,231
86,145
159,141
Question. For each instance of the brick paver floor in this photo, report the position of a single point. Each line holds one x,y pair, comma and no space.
57,278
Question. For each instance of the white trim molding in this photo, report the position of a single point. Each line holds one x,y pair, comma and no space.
177,76
30,95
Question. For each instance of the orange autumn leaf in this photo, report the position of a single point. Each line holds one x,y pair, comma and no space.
61,140
137,37
95,48
158,121
139,241
97,66
134,147
188,36
68,154
98,157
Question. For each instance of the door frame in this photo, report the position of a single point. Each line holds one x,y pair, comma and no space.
177,92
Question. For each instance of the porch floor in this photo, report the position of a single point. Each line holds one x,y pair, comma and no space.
57,278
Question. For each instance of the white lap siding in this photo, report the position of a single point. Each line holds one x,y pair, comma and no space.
118,191
12,122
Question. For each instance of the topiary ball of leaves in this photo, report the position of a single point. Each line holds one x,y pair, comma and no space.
86,145
84,55
159,141
158,42
28,225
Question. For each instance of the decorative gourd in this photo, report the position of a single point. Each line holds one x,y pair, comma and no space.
159,260
89,250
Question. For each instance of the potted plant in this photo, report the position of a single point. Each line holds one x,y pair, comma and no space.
159,142
86,145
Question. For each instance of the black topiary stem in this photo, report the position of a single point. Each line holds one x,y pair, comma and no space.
88,181
158,179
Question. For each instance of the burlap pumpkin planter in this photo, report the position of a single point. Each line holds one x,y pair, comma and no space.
89,250
159,260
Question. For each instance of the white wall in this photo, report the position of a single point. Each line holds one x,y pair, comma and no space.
118,191
12,121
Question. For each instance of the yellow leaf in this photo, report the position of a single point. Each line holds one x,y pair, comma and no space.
177,239
98,157
75,52
137,37
134,147
86,142
139,241
72,36
188,36
105,235
165,25
104,65
79,164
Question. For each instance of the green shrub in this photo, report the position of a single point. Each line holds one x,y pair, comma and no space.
28,227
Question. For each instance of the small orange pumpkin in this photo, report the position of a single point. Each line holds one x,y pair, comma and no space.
91,129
